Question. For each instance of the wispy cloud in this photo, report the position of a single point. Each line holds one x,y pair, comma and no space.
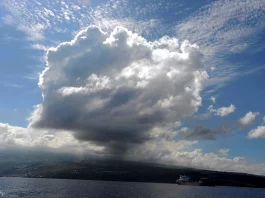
215,83
39,47
85,2
42,20
222,28
34,72
13,85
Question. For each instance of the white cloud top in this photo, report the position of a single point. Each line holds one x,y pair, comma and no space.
248,118
213,99
259,132
223,111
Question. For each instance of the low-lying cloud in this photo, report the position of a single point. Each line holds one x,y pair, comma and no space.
162,149
206,133
14,137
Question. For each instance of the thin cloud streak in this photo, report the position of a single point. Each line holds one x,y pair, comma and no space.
213,29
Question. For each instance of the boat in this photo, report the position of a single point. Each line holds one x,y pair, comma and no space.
183,179
186,180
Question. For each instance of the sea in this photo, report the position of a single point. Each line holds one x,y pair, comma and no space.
62,188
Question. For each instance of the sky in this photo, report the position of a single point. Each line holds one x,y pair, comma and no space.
169,81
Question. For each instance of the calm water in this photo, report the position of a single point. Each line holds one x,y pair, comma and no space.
23,187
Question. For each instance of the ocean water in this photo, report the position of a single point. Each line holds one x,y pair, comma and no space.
35,188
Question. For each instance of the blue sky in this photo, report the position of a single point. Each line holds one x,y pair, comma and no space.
230,35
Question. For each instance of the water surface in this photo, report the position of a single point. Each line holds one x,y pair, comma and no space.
51,188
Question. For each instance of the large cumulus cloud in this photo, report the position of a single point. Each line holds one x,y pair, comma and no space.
115,89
